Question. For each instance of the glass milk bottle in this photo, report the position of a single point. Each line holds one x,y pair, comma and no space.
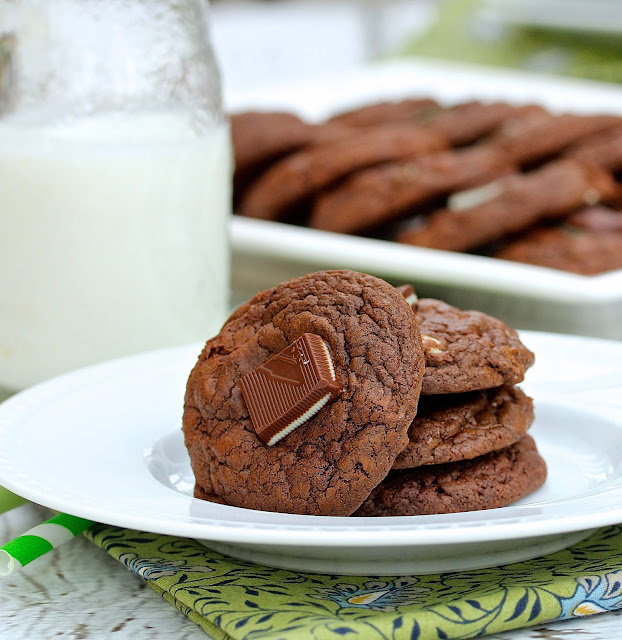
115,178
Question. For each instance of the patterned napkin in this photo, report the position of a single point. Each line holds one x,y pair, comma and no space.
9,500
464,33
232,599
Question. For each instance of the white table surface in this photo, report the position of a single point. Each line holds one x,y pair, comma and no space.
79,592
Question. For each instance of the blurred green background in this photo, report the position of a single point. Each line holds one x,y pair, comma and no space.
471,31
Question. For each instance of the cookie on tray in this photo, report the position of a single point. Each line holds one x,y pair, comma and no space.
462,426
299,176
375,196
541,138
588,242
603,149
461,124
330,463
494,480
468,350
376,113
468,122
262,136
512,204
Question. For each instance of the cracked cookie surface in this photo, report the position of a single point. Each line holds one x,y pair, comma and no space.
330,464
468,350
462,426
487,482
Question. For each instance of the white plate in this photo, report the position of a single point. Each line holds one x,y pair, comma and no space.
104,443
266,253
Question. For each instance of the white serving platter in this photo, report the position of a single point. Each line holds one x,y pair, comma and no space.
525,296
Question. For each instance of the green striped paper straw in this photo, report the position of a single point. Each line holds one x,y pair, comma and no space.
39,540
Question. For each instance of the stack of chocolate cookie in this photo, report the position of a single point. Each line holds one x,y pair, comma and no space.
308,401
468,446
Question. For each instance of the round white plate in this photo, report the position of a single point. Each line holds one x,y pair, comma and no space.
104,443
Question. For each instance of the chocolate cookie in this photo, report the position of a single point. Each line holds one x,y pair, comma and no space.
200,493
587,242
467,122
376,113
259,138
262,136
468,350
462,426
299,176
512,204
381,194
494,480
603,149
461,124
545,137
329,464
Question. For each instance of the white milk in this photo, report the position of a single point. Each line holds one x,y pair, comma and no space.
113,240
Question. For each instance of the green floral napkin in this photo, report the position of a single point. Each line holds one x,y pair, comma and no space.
237,600
9,500
464,33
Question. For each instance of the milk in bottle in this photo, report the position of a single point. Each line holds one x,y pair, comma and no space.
115,179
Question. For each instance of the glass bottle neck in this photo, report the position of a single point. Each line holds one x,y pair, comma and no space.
77,57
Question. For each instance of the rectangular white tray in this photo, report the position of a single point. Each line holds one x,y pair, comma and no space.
527,297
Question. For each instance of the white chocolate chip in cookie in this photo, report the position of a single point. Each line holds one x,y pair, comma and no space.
409,293
591,196
471,198
431,345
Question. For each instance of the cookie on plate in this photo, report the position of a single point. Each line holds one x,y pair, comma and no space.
331,462
462,426
468,350
487,482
